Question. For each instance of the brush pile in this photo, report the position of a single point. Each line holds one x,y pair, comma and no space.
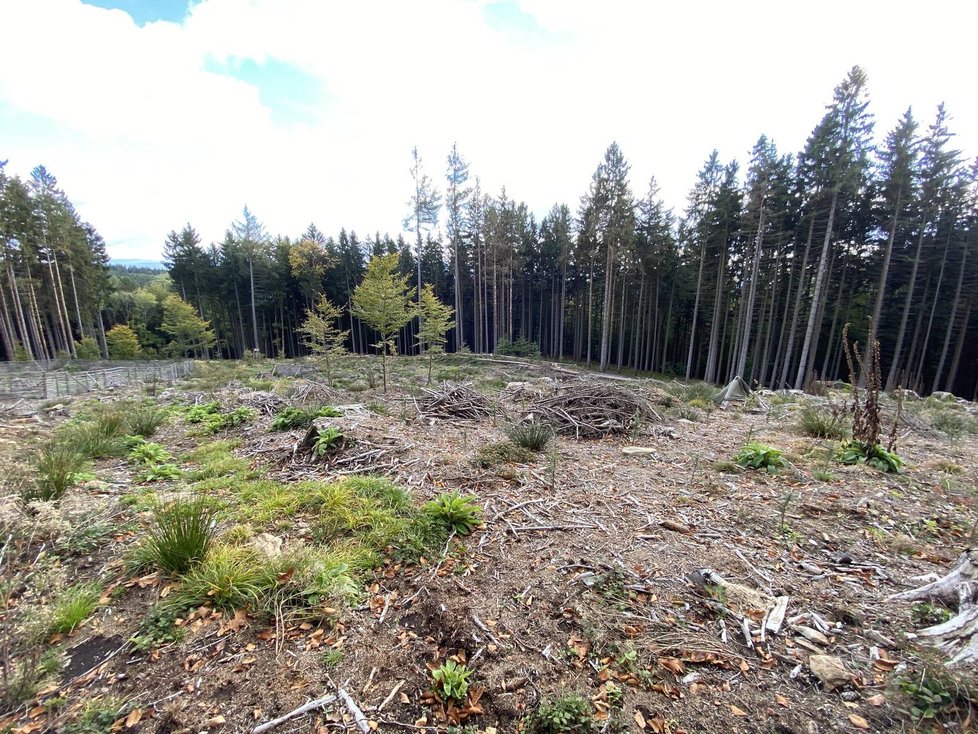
588,409
453,400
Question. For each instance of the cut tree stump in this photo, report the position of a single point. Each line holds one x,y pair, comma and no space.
958,637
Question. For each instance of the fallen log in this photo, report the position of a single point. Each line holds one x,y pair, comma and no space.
958,637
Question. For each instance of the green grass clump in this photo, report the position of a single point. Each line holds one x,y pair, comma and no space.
698,394
226,421
229,577
98,437
504,452
201,412
454,512
293,417
822,424
144,420
23,679
97,717
533,435
181,534
73,607
950,422
568,714
57,466
760,456
857,452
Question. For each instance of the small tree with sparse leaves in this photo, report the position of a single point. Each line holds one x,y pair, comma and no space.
323,336
382,301
436,321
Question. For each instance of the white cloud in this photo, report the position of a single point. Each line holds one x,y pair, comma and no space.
144,138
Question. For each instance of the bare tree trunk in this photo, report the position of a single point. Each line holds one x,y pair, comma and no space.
811,340
891,377
952,374
933,310
801,288
25,338
884,273
696,311
950,322
719,314
254,317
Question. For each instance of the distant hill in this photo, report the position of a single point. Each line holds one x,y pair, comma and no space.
136,263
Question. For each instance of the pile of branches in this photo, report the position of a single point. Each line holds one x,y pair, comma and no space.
237,395
590,409
453,400
313,392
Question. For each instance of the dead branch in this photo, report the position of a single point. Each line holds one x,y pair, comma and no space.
587,409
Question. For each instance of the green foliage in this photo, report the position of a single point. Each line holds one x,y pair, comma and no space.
73,606
951,422
181,534
57,466
521,347
97,437
569,714
822,424
293,417
22,680
451,681
697,394
96,717
760,456
857,452
533,435
504,452
436,320
228,577
322,335
159,473
159,627
454,512
122,342
87,348
201,412
383,302
148,453
328,439
928,695
927,615
212,420
144,420
187,331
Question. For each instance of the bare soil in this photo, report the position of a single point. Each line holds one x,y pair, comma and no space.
578,580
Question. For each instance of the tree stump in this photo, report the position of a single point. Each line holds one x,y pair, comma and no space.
958,637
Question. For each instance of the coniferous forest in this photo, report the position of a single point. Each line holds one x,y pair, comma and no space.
757,276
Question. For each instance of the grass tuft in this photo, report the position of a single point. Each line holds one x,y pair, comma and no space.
57,466
73,607
822,424
533,435
181,534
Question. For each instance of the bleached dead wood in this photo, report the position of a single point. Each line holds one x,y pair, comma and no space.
303,709
958,637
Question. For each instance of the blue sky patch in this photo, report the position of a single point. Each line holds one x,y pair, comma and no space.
292,95
146,11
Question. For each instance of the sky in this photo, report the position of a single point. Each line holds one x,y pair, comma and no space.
153,114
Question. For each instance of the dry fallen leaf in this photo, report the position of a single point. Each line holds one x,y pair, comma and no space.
781,700
673,665
858,721
877,700
133,718
737,711
639,719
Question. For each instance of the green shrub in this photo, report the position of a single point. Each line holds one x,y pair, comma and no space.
505,452
533,435
293,417
200,413
144,420
569,714
451,681
148,453
87,348
857,452
57,466
217,422
181,534
454,512
822,424
760,456
73,606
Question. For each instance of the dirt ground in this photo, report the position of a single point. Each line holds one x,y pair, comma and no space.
578,580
